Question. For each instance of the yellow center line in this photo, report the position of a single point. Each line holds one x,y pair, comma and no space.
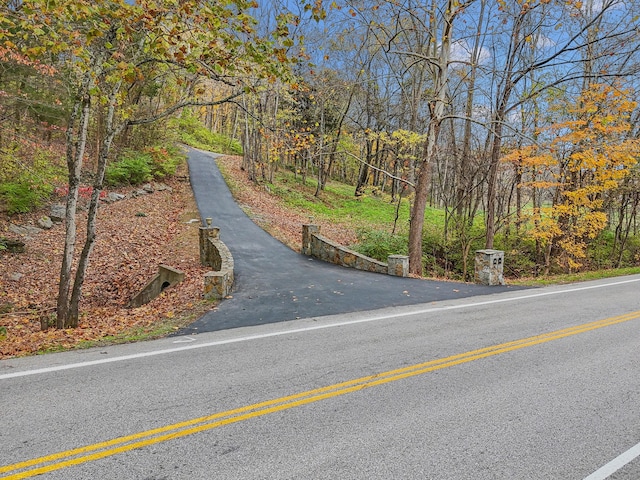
118,445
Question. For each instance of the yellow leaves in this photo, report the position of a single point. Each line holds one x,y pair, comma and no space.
587,156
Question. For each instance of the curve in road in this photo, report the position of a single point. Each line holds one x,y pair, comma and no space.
273,283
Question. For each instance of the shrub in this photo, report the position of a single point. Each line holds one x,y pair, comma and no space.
194,133
25,185
19,197
380,244
519,255
164,160
133,168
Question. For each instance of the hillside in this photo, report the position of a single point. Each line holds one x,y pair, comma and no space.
135,235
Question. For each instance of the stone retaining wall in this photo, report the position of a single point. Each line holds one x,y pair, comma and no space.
317,246
215,254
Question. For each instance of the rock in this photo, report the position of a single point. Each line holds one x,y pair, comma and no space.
45,222
26,231
113,197
15,277
32,230
17,229
58,213
161,187
147,187
139,193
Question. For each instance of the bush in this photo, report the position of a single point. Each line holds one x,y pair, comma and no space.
23,188
134,168
20,197
194,133
380,244
164,160
519,256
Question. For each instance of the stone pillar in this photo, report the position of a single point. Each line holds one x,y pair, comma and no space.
217,285
489,267
398,265
205,234
308,231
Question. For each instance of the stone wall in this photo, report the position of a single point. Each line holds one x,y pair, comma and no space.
215,254
317,246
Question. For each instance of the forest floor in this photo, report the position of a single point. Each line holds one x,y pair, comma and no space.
135,236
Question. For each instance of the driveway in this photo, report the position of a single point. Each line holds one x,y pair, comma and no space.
275,284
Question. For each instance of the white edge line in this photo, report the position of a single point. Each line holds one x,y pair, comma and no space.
248,338
615,464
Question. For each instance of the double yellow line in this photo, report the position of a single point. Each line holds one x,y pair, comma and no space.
115,446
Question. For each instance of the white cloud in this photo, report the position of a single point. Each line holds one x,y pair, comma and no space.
461,52
544,42
593,7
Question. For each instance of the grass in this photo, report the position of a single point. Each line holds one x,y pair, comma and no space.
575,277
337,200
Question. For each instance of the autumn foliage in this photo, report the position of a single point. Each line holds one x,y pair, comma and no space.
582,164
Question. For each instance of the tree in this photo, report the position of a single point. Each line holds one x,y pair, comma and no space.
588,157
107,50
438,59
605,44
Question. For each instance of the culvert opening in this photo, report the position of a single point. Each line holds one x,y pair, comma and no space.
165,278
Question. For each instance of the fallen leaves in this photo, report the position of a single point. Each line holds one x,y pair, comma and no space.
128,251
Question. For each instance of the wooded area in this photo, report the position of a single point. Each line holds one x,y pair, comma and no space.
517,119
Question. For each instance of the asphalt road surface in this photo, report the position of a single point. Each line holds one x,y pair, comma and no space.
532,384
274,283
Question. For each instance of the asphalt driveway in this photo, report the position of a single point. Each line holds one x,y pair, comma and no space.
275,284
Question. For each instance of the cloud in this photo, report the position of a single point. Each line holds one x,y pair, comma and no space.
594,7
461,53
544,42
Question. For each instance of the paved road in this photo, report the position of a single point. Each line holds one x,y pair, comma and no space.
273,283
461,389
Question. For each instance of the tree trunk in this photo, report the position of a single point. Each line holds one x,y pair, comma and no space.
363,175
492,185
437,108
76,144
83,263
464,180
